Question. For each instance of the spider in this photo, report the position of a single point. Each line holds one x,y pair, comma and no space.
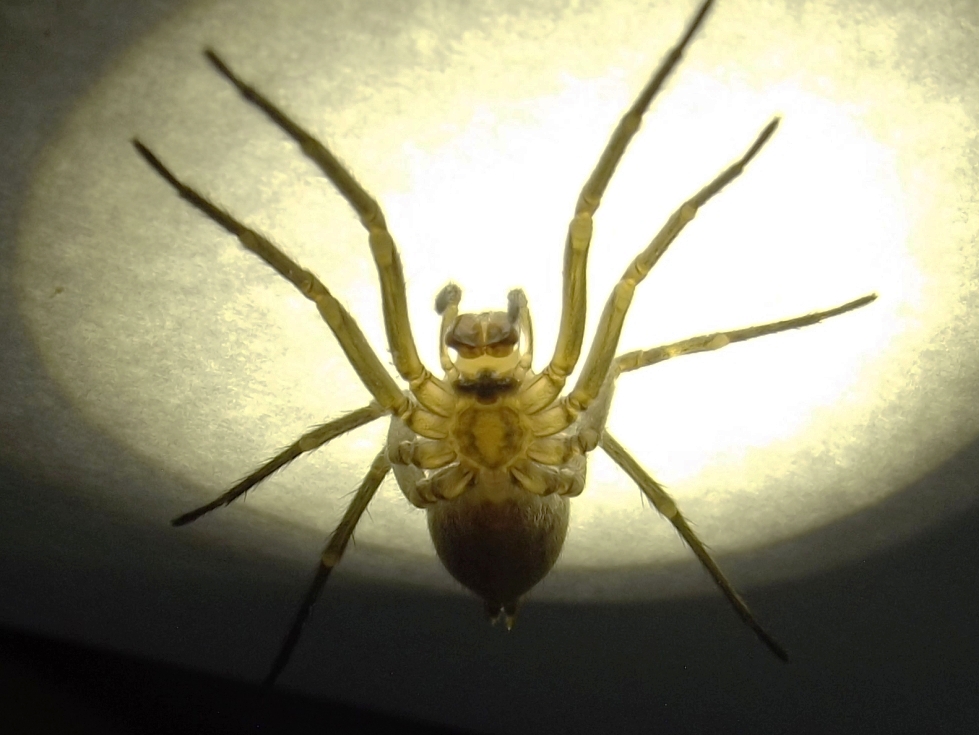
493,451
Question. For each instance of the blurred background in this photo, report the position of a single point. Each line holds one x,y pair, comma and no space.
147,363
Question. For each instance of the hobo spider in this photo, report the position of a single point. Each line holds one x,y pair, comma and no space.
492,451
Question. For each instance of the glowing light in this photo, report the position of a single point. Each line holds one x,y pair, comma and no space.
194,354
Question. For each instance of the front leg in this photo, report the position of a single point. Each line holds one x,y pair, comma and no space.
362,357
547,385
430,391
602,351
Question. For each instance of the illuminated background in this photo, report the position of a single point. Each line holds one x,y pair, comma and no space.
152,362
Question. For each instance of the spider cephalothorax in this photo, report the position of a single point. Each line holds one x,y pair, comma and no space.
493,450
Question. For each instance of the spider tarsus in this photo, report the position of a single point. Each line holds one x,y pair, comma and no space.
185,519
157,165
849,306
677,51
762,139
146,153
212,56
193,515
773,645
246,90
698,19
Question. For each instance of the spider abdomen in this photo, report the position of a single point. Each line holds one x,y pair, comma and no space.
497,518
499,540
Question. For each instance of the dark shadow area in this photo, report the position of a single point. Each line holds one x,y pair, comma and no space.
883,640
54,687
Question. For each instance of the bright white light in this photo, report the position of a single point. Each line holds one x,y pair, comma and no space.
476,136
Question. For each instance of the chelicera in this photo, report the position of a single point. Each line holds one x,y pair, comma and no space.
492,450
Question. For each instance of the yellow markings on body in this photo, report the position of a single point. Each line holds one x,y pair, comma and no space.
490,437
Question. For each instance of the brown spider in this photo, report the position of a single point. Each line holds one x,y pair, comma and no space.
493,450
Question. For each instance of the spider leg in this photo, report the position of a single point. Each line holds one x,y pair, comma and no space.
583,438
306,443
548,384
556,450
348,334
602,351
362,357
329,559
545,421
425,454
717,340
667,508
431,391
